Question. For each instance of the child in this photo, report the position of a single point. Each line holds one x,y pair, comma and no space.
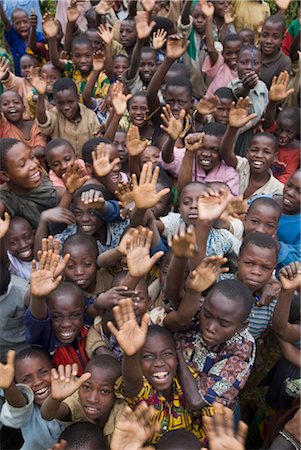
128,34
248,36
273,60
120,66
69,120
13,126
89,399
121,144
263,216
84,434
32,369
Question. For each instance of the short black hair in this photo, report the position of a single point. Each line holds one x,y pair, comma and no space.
17,10
64,84
149,50
81,434
154,330
259,240
233,37
81,39
236,291
137,94
58,142
9,91
81,239
32,351
163,23
275,19
64,288
178,440
268,135
5,145
265,201
31,58
120,55
178,70
90,145
180,82
225,92
105,362
214,129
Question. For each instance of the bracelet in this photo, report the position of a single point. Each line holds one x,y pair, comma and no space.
290,438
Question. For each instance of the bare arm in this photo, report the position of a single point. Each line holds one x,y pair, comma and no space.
40,109
88,89
186,169
175,280
6,23
32,39
227,147
189,385
212,52
54,54
281,325
187,308
155,84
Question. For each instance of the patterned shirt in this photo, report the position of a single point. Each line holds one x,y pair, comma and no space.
101,86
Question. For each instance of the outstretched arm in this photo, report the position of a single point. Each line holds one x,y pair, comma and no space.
6,23
208,10
193,142
12,394
98,65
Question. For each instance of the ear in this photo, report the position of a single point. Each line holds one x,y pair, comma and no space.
4,176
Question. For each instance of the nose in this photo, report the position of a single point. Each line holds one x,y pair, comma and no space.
210,327
37,380
66,323
79,270
256,271
93,397
260,228
159,362
22,243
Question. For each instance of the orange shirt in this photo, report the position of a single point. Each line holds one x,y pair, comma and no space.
9,130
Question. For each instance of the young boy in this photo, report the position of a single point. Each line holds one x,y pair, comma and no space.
69,120
84,434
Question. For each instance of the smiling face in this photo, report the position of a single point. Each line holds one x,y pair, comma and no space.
51,74
81,268
120,144
292,194
261,154
271,38
150,154
12,107
178,98
94,39
189,202
35,372
82,57
255,266
220,7
208,156
159,362
147,66
249,60
120,65
58,159
138,110
26,62
19,239
21,23
286,131
230,53
67,103
87,219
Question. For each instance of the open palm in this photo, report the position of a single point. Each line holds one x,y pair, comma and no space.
135,145
64,382
206,273
172,126
4,224
239,113
145,195
278,90
7,371
50,27
138,247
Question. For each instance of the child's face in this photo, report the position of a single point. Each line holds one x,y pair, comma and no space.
150,154
263,219
128,33
208,155
220,319
163,206
95,40
220,7
121,64
141,302
221,115
81,268
178,98
159,362
255,266
248,61
52,74
230,53
82,57
86,218
35,372
292,194
26,62
189,202
11,105
58,159
67,103
286,131
22,168
114,176
21,23
199,19
96,395
67,315
270,38
261,154
20,239
147,66
138,110
247,37
120,144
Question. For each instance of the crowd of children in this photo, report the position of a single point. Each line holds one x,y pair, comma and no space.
150,223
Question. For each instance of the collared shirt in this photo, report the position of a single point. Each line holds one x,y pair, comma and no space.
101,86
274,66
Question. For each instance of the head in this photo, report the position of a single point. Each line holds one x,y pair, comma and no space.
177,70
18,165
19,239
271,35
128,35
58,154
249,60
12,106
262,152
178,95
188,202
66,98
151,153
94,39
120,65
121,145
82,54
292,194
225,311
81,268
220,7
247,36
33,367
26,62
20,21
87,149
225,99
97,395
257,260
158,359
83,436
51,74
148,64
208,156
263,216
178,440
288,126
231,47
198,18
138,109
66,305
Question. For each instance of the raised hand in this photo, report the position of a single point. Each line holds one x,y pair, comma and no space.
104,6
278,90
106,33
183,244
137,252
206,273
237,208
101,160
148,5
134,144
64,382
93,198
119,99
122,246
176,46
98,61
212,204
4,67
72,12
159,39
124,194
37,81
58,215
172,126
33,19
50,27
194,141
228,16
4,224
7,371
290,276
208,104
270,291
207,8
220,430
239,114
282,4
145,195
47,277
143,28
130,336
74,177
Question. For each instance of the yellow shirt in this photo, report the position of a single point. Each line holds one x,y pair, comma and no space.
250,14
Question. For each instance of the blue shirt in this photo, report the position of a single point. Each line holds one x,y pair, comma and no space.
289,237
27,5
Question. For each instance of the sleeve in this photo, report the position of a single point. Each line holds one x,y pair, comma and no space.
233,181
242,166
95,338
40,37
288,253
94,124
143,394
18,417
38,140
48,127
112,211
174,167
292,163
13,82
210,70
11,36
39,332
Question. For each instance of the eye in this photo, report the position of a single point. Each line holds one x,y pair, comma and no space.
86,387
69,266
207,313
167,354
254,221
105,392
149,357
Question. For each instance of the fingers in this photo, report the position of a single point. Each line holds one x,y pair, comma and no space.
113,330
242,432
156,258
85,376
10,358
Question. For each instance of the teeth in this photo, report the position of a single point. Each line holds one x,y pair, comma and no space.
205,162
86,227
42,391
25,254
35,176
287,202
12,111
91,410
160,375
257,164
80,281
66,334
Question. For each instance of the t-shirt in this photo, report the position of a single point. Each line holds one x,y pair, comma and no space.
274,66
220,73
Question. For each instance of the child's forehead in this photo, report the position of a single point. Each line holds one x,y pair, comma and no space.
101,375
17,224
81,47
264,141
10,94
263,210
65,301
193,189
59,150
249,52
16,15
274,26
126,23
147,56
174,90
259,252
30,364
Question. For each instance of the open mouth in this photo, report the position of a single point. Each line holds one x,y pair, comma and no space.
160,377
258,164
80,282
42,393
35,177
287,202
25,254
91,411
87,228
66,335
205,162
